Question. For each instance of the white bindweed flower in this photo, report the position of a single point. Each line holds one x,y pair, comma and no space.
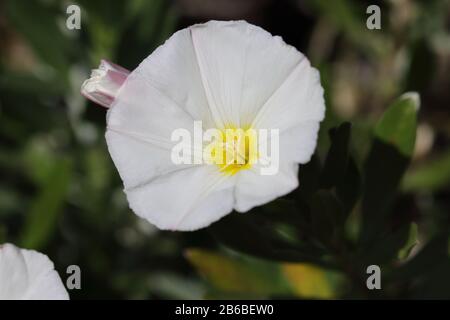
231,76
28,275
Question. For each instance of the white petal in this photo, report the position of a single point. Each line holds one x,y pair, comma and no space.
298,143
299,99
186,199
28,274
253,189
138,160
140,124
172,69
241,66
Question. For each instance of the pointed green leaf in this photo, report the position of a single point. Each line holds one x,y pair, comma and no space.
386,163
397,126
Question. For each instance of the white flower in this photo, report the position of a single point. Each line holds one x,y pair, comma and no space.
228,75
28,275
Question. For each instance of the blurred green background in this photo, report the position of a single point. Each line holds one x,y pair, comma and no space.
60,193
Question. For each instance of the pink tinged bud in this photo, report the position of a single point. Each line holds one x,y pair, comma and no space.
104,83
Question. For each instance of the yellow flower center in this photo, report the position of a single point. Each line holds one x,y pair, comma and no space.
234,149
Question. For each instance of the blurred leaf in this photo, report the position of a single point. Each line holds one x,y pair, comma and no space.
336,161
39,159
387,161
387,246
98,169
340,170
106,21
410,243
104,41
434,252
254,235
247,236
150,15
246,276
45,208
288,221
45,37
308,281
236,275
429,176
350,18
174,286
25,83
9,200
150,24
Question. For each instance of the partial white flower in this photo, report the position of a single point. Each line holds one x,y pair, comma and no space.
228,75
28,275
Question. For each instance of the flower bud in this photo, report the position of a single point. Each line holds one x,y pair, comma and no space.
104,83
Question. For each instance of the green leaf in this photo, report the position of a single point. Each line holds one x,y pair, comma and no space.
430,176
39,158
46,207
410,243
340,170
254,234
337,158
397,126
245,277
25,83
433,253
105,22
237,275
386,163
310,281
387,246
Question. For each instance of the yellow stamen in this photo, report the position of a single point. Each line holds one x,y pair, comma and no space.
235,149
